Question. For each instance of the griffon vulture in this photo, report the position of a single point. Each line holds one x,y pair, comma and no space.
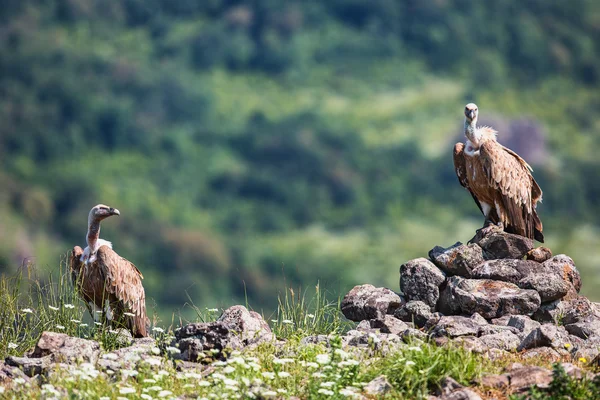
107,282
499,180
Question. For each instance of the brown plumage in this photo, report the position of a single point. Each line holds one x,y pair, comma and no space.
499,180
108,282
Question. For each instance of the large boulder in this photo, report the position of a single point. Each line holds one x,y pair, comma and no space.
235,329
368,302
420,280
492,299
454,325
458,259
567,312
507,270
546,335
564,267
414,311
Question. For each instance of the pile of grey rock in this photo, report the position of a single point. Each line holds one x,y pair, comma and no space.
497,294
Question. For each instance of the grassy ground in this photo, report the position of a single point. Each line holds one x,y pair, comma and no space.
414,370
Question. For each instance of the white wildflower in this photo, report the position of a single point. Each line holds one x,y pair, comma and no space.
318,375
53,308
415,348
27,311
99,311
213,310
149,380
173,350
343,355
274,321
312,364
83,325
348,393
204,383
104,398
164,393
230,382
155,350
110,372
287,321
219,376
129,314
112,331
323,358
229,369
237,360
348,363
129,372
282,391
374,338
110,356
12,345
219,363
310,316
327,367
193,375
76,321
268,375
410,363
327,384
269,393
153,389
60,327
163,372
326,392
284,374
127,390
158,329
98,323
246,381
143,396
283,361
71,306
215,351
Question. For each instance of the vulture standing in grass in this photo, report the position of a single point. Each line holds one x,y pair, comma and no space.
109,284
499,180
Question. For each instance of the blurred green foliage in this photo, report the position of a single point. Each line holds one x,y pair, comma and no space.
252,144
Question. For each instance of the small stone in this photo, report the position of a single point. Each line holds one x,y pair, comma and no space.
497,245
566,311
584,329
491,329
479,319
368,302
389,324
499,270
448,385
539,254
528,376
8,373
523,323
546,335
420,280
454,326
66,349
378,386
461,394
506,341
564,266
550,286
414,311
495,381
447,303
458,259
471,343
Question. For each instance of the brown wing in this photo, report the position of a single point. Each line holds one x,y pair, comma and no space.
75,263
511,176
460,168
124,281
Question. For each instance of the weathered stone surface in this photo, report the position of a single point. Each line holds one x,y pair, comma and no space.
315,339
412,334
546,335
141,350
492,299
523,323
471,343
420,280
503,320
447,303
479,319
458,259
461,394
545,353
497,245
30,366
539,254
502,270
495,381
414,311
66,349
507,341
448,385
566,311
589,349
368,302
564,266
519,378
550,286
389,324
454,326
378,386
236,328
8,373
584,329
491,329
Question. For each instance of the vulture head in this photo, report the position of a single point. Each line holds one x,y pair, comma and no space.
471,112
100,212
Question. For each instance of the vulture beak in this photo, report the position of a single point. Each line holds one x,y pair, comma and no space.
114,211
471,114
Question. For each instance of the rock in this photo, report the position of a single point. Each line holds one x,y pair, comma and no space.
502,320
447,303
447,386
461,394
539,254
546,335
315,339
495,381
235,329
66,349
496,354
412,334
368,302
589,350
545,353
479,319
389,324
458,259
30,366
141,350
566,311
502,270
523,323
471,343
564,266
420,280
550,286
8,373
414,311
365,326
491,329
454,326
378,386
525,377
584,329
492,299
507,341
498,245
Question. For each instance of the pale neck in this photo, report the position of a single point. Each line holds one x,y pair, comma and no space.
471,131
93,233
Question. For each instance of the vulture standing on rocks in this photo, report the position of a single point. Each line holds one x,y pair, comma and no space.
499,180
108,283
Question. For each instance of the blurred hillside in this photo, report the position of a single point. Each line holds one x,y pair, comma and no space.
254,144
